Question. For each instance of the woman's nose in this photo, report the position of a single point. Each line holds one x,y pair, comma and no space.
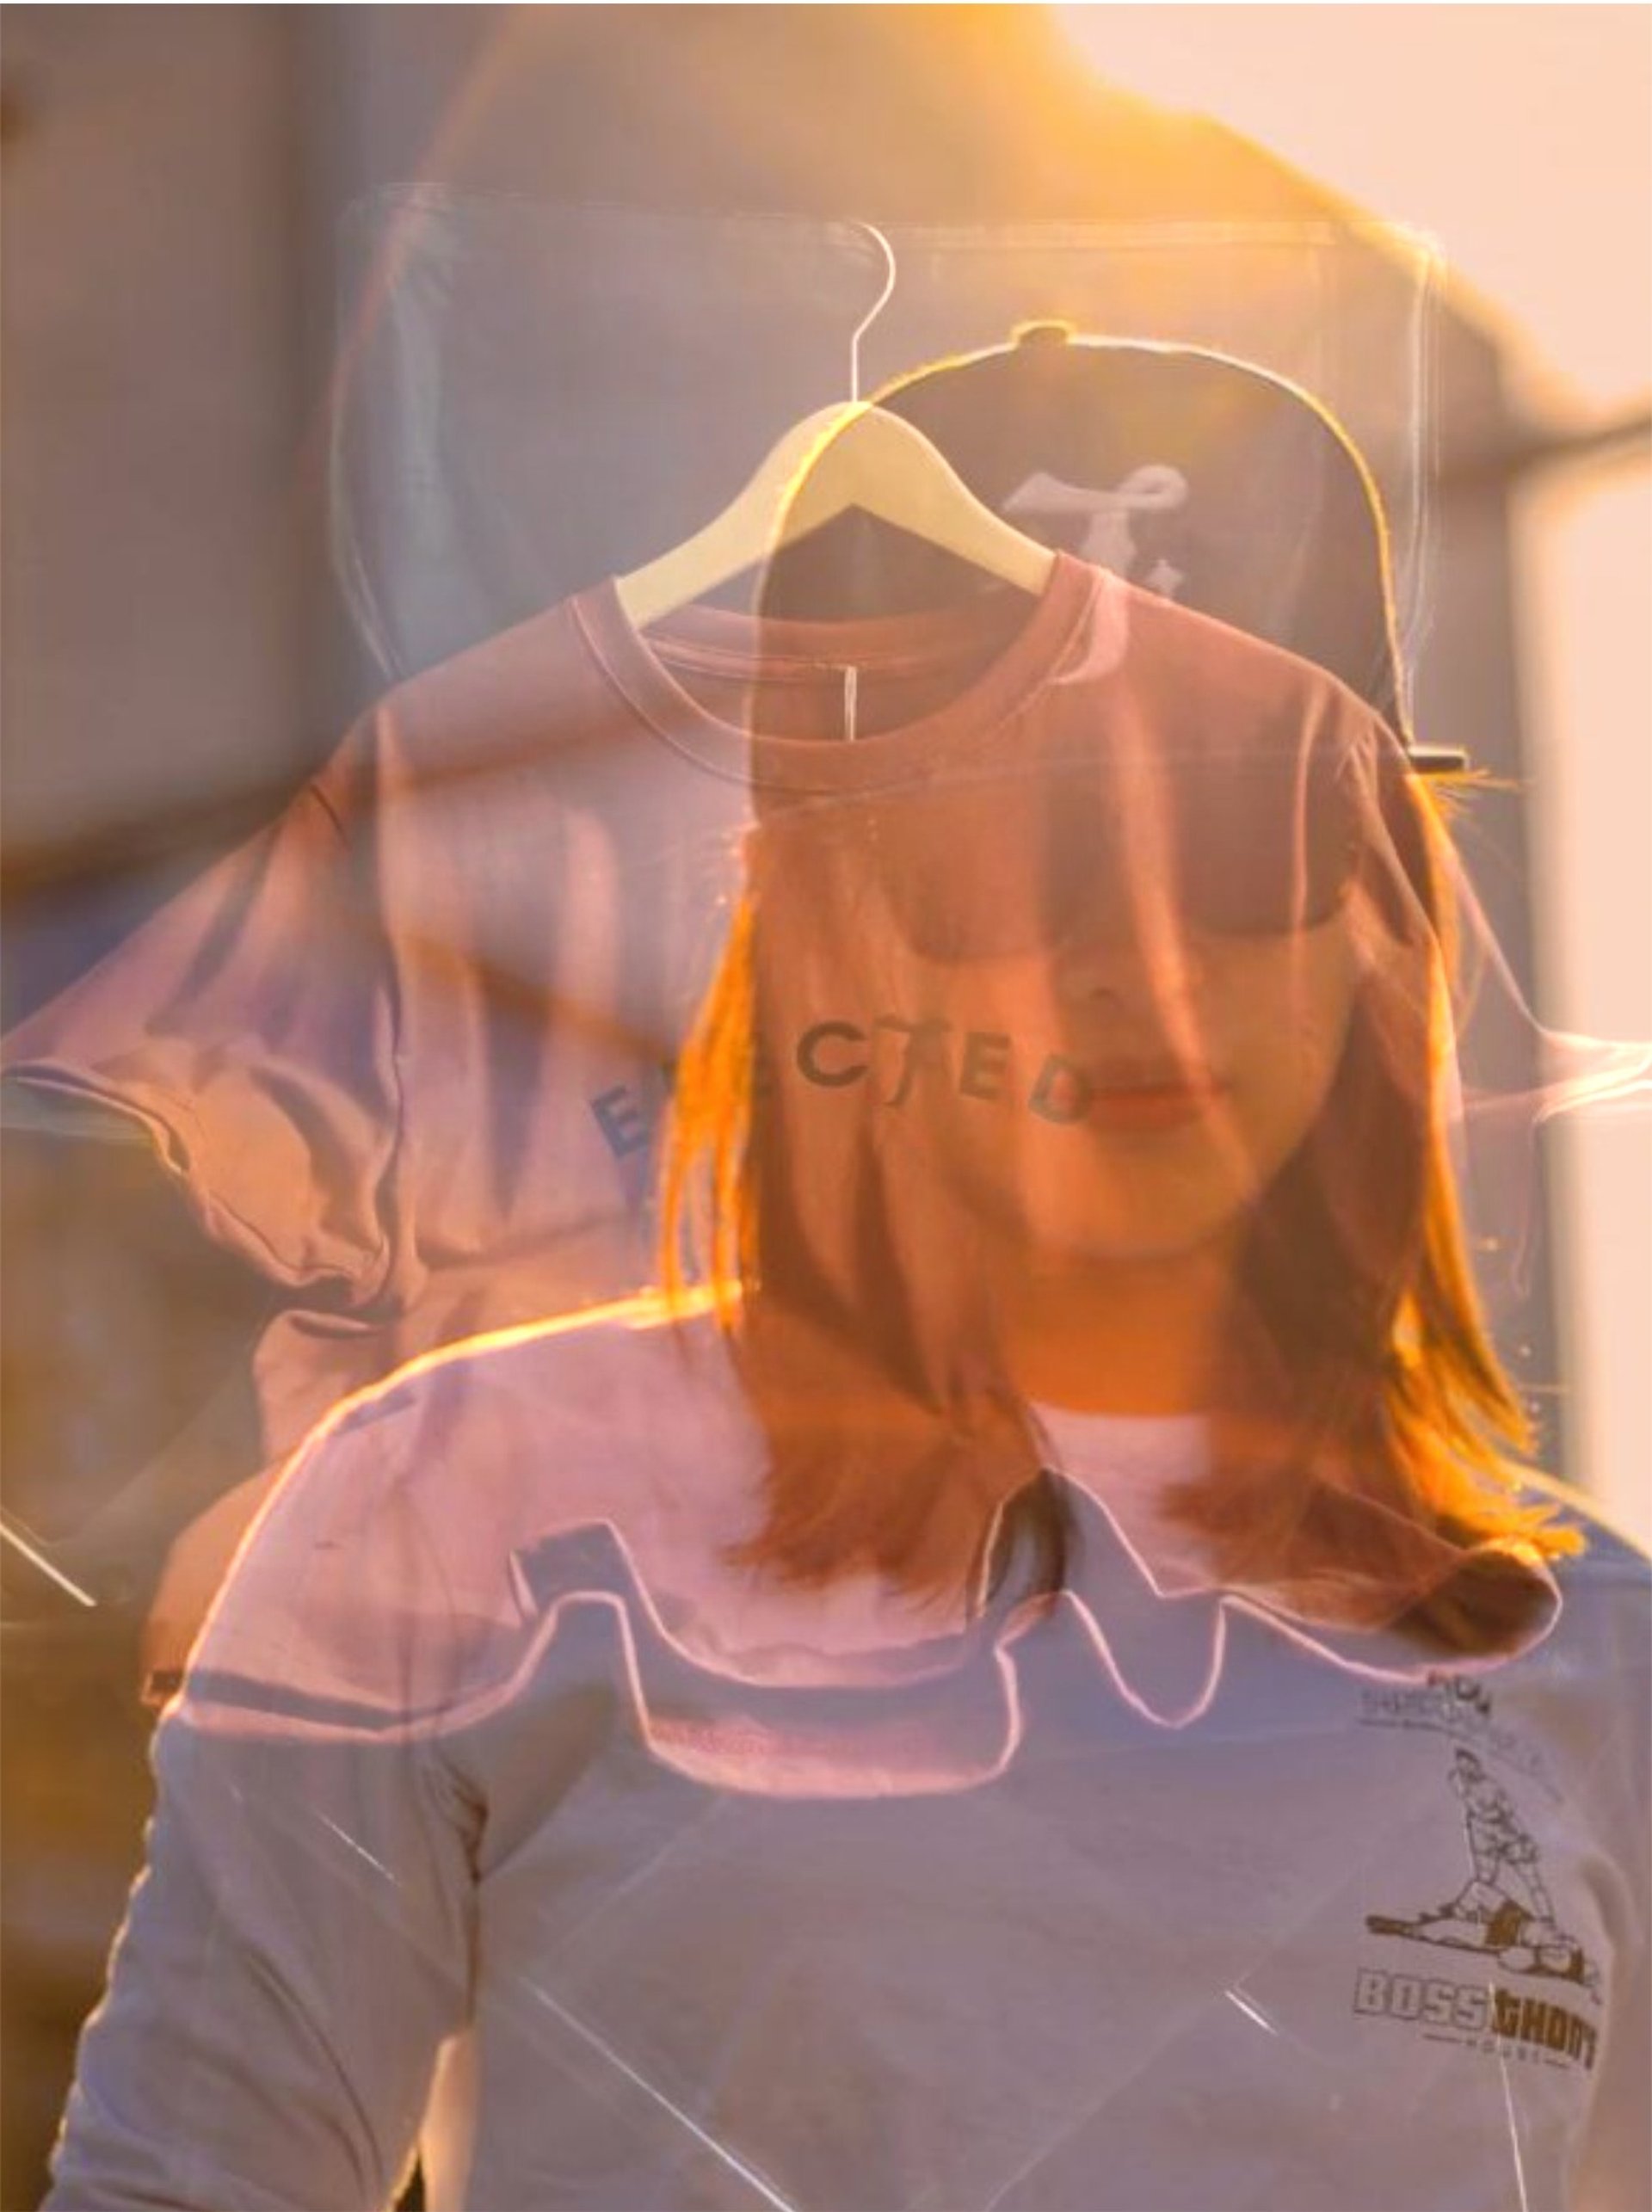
1135,966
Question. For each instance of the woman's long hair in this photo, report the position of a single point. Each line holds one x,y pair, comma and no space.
1366,1441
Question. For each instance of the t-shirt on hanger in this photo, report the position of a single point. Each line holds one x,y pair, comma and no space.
408,1050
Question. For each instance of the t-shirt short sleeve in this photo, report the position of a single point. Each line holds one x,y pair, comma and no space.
250,1028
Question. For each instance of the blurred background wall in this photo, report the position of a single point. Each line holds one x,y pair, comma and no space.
177,655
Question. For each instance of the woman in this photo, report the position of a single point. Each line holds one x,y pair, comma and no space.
978,1716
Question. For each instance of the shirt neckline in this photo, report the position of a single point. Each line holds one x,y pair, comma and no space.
1127,1464
735,644
1147,1451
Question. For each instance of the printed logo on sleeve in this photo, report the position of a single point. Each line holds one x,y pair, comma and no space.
1458,1706
1502,1912
1479,2015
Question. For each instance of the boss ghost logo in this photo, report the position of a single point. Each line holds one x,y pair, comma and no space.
1098,523
1503,1911
1484,2017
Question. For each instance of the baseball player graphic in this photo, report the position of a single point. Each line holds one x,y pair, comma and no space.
1503,1855
1504,1906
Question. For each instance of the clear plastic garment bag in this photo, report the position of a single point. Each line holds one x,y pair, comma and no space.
909,1568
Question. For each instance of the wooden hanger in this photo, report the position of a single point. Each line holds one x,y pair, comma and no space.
850,455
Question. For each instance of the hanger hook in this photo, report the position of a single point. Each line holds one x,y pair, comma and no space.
878,304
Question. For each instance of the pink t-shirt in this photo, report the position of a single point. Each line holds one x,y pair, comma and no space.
409,1049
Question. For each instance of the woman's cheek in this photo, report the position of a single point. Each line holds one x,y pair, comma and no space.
1297,995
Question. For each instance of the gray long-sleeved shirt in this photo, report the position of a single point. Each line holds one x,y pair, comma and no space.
498,1817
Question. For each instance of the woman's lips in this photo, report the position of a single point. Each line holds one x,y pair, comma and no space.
1152,1105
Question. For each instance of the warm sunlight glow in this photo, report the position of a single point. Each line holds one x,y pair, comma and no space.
1516,136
